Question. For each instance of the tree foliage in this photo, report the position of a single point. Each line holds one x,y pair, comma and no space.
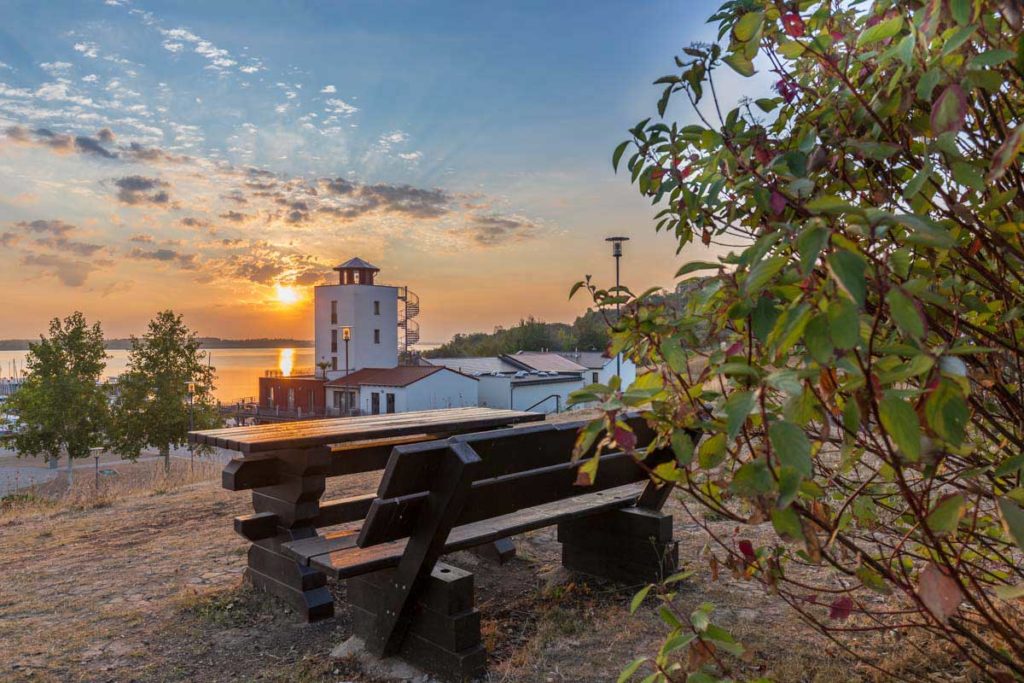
589,332
863,394
62,406
168,383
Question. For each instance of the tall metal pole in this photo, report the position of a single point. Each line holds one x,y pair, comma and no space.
617,255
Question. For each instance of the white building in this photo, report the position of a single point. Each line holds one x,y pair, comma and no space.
374,391
361,310
600,368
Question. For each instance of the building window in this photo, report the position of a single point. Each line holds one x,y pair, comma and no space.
375,403
334,341
376,336
594,380
334,362
334,312
376,308
390,403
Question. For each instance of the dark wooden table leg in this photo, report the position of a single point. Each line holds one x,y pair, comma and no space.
296,504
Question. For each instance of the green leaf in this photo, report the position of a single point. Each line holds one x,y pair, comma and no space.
748,26
844,324
900,422
957,39
1013,520
924,231
904,312
848,270
949,111
694,266
711,451
762,272
829,204
880,31
791,447
809,245
966,174
682,447
946,412
674,354
944,517
962,11
1009,592
752,479
740,64
873,580
617,154
926,85
789,486
737,408
992,58
628,672
787,524
639,598
767,104
818,340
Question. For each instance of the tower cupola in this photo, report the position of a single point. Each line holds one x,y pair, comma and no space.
356,271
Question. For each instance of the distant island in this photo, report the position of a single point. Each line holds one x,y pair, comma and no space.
207,342
589,332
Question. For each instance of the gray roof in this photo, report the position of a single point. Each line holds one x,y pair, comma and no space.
595,360
546,361
471,365
356,263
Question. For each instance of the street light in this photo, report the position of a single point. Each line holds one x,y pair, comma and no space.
617,255
191,420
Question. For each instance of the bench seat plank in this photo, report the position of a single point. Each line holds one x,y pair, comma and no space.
337,554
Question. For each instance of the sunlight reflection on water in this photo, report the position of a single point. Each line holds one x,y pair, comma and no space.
286,361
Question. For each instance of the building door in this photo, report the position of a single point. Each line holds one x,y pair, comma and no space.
391,403
375,403
291,399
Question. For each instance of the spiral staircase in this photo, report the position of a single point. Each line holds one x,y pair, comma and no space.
409,329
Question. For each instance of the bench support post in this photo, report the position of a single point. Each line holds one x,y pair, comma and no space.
443,632
631,545
295,502
448,494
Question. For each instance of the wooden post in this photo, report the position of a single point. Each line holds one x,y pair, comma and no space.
295,502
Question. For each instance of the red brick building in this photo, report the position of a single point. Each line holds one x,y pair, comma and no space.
300,395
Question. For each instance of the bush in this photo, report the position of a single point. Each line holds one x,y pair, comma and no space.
856,367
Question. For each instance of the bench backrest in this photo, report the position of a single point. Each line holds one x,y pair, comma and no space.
507,470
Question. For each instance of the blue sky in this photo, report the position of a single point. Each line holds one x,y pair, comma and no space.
202,155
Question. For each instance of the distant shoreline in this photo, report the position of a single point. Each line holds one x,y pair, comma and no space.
207,343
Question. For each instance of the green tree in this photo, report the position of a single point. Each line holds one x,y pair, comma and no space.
62,406
856,364
167,387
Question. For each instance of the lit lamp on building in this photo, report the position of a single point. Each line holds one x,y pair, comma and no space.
346,336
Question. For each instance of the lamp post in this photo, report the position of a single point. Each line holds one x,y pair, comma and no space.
191,421
617,255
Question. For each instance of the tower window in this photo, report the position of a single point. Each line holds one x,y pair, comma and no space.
334,341
376,308
334,312
334,362
376,336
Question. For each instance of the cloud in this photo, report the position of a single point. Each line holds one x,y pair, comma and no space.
169,256
70,272
137,189
493,230
88,49
62,142
54,235
341,107
328,90
144,239
234,216
52,227
9,239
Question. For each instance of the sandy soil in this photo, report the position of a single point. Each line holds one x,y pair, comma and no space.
148,588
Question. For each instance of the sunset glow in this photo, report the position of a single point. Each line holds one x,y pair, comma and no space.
286,361
286,295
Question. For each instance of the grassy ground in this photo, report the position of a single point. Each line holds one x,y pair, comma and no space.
143,583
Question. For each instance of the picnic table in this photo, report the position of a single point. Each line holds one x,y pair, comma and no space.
286,466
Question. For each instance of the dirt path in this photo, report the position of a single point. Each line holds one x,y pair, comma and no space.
149,589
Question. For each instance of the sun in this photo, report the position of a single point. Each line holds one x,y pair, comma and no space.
285,294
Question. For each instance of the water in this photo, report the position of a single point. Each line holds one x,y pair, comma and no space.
238,370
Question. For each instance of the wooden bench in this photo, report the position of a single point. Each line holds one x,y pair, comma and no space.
442,496
286,466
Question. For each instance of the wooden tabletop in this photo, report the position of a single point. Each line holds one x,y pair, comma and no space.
310,433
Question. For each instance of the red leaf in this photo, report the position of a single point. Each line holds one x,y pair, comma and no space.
735,349
841,608
949,110
793,24
778,202
706,237
747,548
939,592
625,438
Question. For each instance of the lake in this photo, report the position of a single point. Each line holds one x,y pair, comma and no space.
238,370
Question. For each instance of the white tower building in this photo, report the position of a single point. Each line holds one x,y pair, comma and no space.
356,321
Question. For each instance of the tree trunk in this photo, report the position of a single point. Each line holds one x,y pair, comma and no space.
165,451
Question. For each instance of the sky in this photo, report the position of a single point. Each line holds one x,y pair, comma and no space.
219,158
